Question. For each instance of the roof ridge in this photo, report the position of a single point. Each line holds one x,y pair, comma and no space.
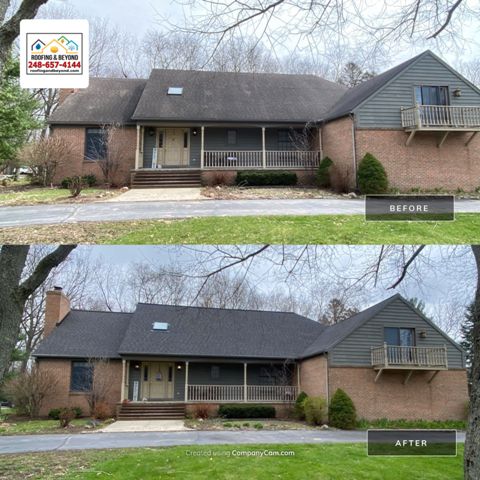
97,311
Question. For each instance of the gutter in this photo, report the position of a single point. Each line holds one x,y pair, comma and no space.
354,152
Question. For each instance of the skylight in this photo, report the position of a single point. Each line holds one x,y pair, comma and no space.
175,90
160,326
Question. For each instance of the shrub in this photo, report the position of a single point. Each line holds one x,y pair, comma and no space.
54,413
246,411
76,185
342,413
78,412
323,172
245,424
372,177
88,180
102,411
298,409
201,410
227,425
258,426
315,410
261,178
65,416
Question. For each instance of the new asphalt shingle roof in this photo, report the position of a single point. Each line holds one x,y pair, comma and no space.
197,332
105,101
236,97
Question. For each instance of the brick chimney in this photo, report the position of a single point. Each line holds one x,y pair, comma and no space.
64,93
56,309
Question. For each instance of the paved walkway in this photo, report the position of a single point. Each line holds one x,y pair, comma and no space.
118,211
42,443
145,426
159,194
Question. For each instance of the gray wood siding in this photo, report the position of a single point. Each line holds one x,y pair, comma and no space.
382,110
355,348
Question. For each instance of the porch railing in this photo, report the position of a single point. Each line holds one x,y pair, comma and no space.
420,357
236,393
440,116
255,159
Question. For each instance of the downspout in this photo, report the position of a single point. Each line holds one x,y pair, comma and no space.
354,149
327,380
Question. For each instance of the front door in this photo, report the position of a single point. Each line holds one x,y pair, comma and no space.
157,381
176,145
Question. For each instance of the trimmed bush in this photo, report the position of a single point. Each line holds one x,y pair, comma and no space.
87,180
54,413
266,178
201,410
246,411
102,411
323,172
372,177
342,413
65,416
298,409
315,410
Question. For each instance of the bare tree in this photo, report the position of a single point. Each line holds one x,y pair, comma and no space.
353,75
102,383
338,311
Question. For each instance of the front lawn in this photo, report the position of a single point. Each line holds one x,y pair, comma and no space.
319,462
319,229
21,426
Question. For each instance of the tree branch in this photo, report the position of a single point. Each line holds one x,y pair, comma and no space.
406,266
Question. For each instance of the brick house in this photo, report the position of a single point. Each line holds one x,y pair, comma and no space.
163,359
420,119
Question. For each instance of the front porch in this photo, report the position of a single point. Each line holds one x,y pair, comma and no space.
158,381
226,147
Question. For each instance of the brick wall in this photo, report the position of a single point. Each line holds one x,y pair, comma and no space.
60,395
75,164
444,398
422,164
337,144
313,376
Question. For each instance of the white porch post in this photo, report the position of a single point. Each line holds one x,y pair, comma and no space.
137,151
264,154
122,391
186,381
245,396
298,378
202,146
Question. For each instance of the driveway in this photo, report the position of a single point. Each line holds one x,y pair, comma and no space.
119,211
42,443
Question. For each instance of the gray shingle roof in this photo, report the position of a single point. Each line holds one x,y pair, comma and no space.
105,101
215,332
236,97
356,95
86,334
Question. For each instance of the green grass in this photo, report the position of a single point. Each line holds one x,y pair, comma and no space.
401,423
35,195
319,462
320,229
25,427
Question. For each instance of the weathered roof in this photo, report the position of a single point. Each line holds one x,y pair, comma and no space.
356,95
217,332
236,97
105,101
86,334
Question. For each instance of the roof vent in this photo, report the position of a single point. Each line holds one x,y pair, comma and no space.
160,326
175,90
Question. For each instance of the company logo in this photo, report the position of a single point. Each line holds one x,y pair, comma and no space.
53,58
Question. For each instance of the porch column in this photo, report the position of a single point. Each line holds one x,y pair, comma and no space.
137,151
264,154
245,396
186,382
298,378
202,145
122,390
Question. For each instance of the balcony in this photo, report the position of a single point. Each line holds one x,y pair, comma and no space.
242,393
392,357
440,118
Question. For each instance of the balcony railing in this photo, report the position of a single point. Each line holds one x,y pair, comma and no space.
257,159
238,393
409,357
440,117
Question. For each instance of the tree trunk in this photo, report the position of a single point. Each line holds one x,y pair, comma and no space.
14,293
472,442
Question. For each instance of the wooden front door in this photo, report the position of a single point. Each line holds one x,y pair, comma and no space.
176,145
158,381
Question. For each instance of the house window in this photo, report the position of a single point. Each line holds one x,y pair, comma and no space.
170,373
95,143
231,137
81,379
160,139
285,140
266,376
145,373
431,95
215,372
185,139
402,337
